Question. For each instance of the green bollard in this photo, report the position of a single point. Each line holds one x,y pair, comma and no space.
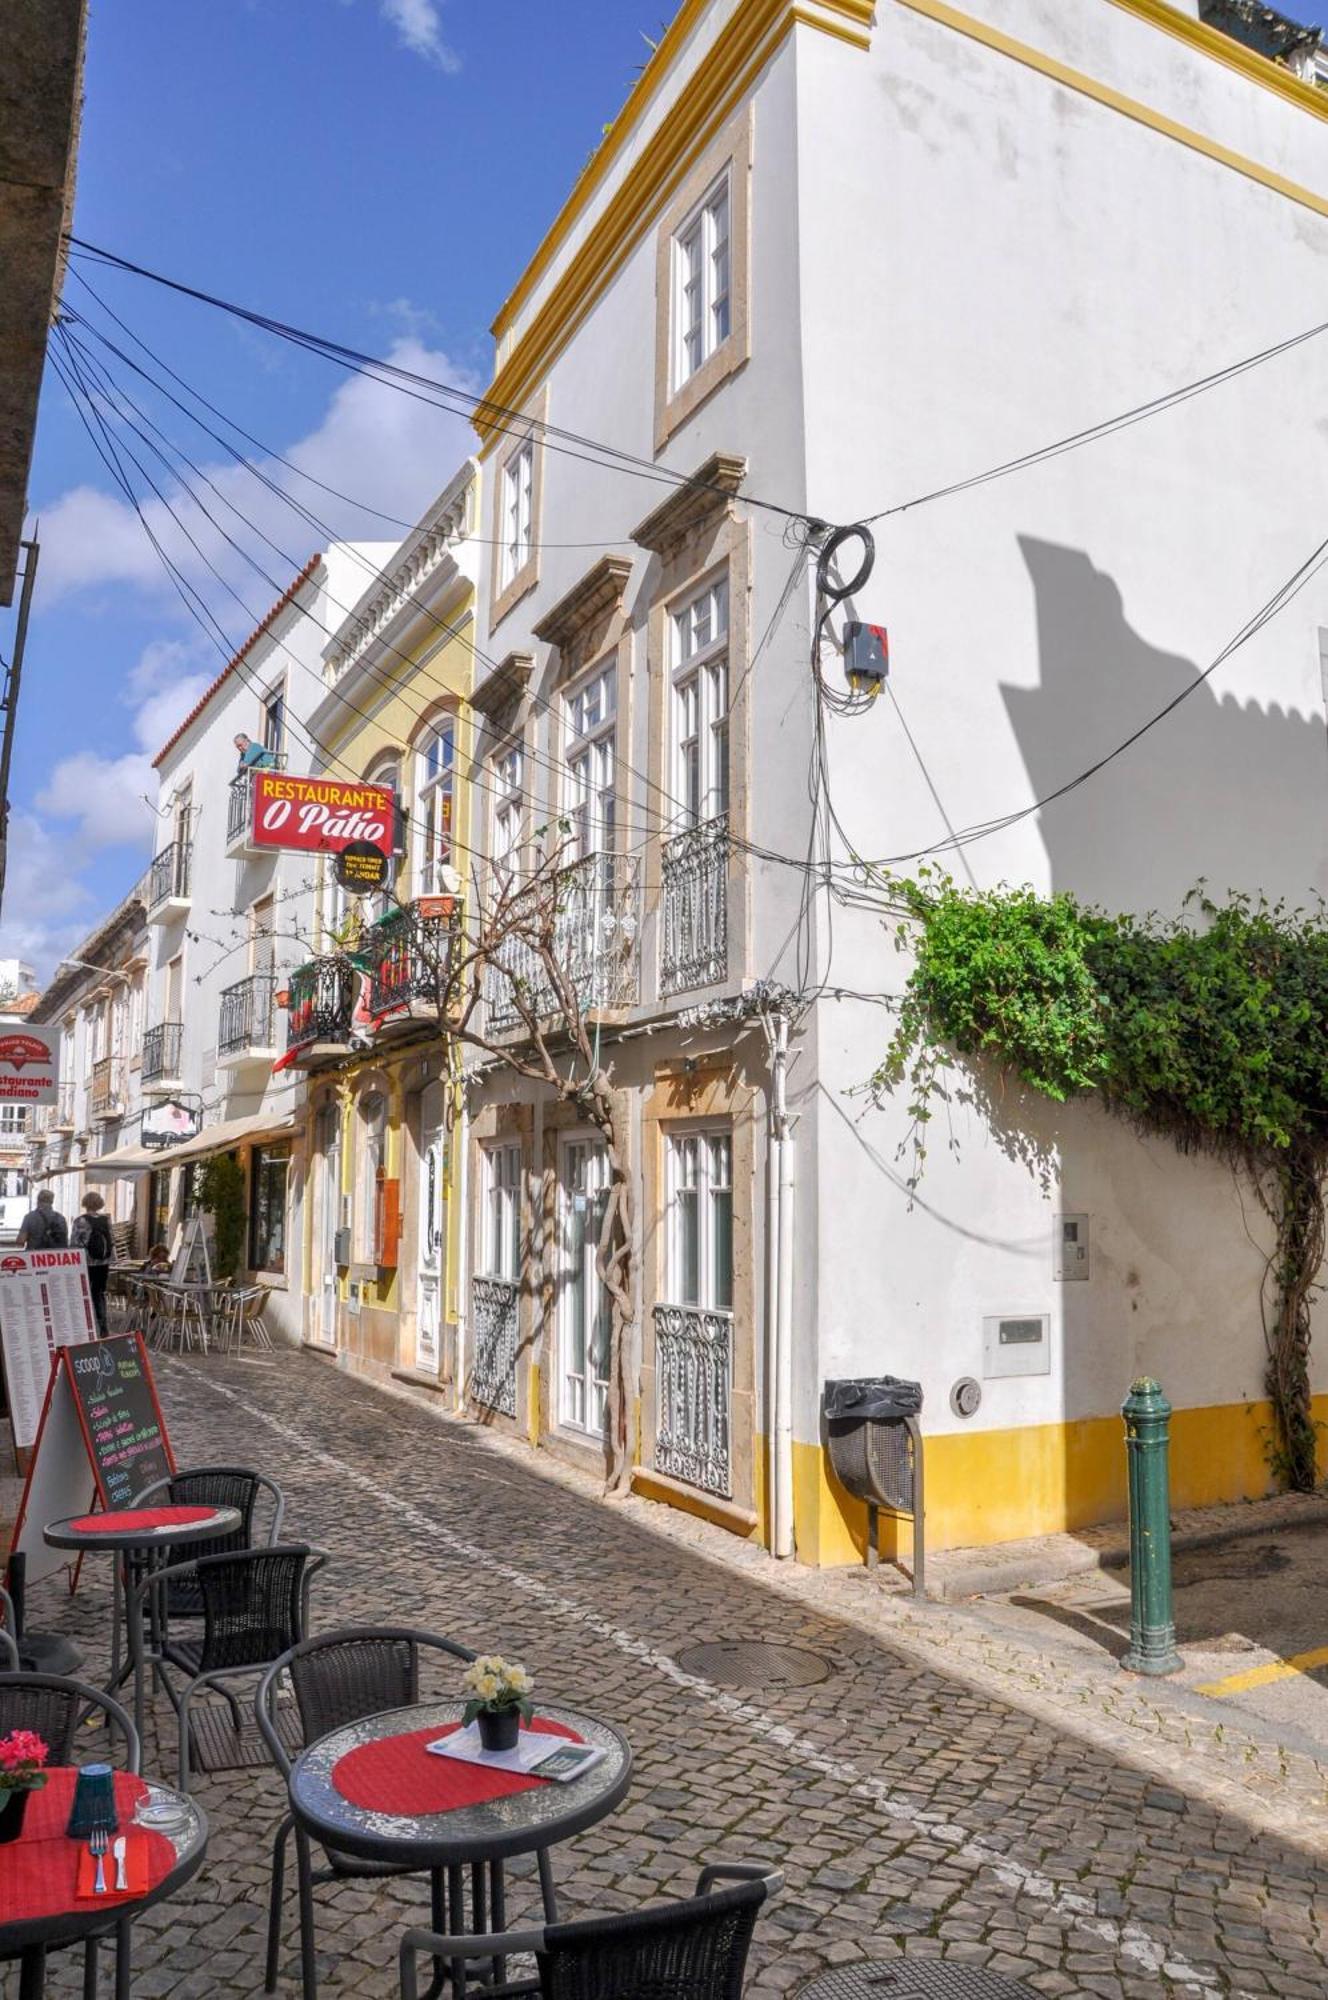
1147,1415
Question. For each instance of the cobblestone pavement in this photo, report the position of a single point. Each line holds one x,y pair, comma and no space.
912,1806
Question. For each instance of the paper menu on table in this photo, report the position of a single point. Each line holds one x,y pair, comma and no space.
534,1747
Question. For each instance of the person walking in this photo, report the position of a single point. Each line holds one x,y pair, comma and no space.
92,1235
43,1227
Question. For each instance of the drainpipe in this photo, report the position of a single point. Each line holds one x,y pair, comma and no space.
781,1343
458,1110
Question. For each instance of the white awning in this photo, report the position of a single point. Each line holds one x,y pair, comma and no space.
112,1166
221,1138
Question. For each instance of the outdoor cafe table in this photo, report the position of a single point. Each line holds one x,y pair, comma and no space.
139,1534
371,1790
40,1903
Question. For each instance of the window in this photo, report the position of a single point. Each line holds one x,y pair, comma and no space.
702,282
502,1211
13,1118
508,777
589,763
267,1209
274,722
701,705
585,1313
372,1168
387,775
435,806
518,489
159,1206
700,1241
262,935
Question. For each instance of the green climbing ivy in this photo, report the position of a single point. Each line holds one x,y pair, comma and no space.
1210,1030
221,1193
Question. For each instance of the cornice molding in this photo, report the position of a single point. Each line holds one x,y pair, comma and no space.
598,591
1247,62
449,521
499,689
708,98
709,489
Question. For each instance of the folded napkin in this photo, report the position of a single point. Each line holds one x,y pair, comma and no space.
136,1871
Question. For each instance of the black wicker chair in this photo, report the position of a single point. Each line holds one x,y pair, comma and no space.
8,1635
336,1678
695,1950
213,1486
255,1608
52,1705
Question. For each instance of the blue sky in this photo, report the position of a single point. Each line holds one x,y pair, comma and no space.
378,170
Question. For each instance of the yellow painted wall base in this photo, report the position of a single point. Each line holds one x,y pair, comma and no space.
985,1487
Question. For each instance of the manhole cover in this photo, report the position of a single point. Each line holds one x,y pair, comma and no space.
752,1663
914,1979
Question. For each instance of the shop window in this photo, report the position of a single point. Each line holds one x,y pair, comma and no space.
267,1209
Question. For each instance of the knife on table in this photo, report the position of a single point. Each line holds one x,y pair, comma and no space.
118,1857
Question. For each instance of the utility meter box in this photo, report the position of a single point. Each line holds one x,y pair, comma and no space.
1016,1344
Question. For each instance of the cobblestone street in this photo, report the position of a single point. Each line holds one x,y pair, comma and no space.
908,1811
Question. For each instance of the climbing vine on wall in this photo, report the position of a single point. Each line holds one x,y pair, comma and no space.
1210,1030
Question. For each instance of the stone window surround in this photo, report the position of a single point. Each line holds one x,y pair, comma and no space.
588,631
524,429
732,149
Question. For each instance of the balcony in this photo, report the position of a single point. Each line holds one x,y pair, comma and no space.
106,1090
240,812
62,1111
694,1377
168,883
694,908
163,1048
246,1031
409,956
319,1007
596,941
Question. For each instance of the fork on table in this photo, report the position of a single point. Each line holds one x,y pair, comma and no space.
98,1841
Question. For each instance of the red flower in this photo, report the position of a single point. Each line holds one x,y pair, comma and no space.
21,1748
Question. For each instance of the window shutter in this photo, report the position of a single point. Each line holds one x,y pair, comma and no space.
387,1223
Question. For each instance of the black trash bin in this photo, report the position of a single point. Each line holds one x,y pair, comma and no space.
875,1445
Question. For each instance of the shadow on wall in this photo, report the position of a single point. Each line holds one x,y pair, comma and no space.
1229,792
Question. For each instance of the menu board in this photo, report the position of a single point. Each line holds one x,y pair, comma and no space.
122,1422
45,1303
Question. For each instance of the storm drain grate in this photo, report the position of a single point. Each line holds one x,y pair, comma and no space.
753,1663
214,1745
913,1979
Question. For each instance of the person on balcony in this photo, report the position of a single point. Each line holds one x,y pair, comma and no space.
254,756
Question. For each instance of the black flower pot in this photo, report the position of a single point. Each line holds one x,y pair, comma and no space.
13,1808
499,1729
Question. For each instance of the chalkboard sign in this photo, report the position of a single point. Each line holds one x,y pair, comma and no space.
121,1419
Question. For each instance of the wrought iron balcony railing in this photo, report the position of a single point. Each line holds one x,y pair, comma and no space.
596,942
245,1023
168,877
240,802
321,1002
694,908
162,1048
409,956
494,1320
106,1088
694,1377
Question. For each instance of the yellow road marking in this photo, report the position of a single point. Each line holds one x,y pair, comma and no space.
1276,1670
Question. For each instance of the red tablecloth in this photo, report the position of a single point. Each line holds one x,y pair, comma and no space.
397,1774
39,1870
132,1520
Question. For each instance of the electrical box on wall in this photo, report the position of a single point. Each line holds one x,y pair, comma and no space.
1016,1344
1070,1251
341,1247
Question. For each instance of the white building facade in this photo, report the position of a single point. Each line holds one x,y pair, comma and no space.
835,258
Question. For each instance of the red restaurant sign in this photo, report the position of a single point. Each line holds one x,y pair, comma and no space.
27,1066
320,815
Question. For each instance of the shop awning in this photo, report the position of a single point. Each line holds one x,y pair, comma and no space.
221,1138
112,1166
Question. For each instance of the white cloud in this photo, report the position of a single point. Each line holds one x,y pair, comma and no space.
104,796
381,448
47,908
419,29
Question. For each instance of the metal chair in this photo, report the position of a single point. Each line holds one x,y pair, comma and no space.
693,1950
213,1486
255,1608
336,1678
8,1634
243,1312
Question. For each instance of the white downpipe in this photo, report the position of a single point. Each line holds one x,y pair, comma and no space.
781,1358
773,1176
460,1136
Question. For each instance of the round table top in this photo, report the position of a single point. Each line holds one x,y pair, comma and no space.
180,1532
516,1824
189,1838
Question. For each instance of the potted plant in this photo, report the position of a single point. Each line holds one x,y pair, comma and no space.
22,1755
499,1700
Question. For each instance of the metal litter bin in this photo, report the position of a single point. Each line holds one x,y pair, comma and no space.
875,1445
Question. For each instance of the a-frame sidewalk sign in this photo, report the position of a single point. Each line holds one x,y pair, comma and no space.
102,1438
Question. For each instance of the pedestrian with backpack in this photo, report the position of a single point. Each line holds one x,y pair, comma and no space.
92,1235
43,1227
